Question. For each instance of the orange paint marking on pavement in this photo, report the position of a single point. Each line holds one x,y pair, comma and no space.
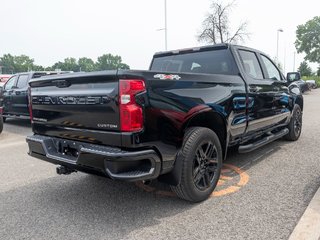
225,177
244,179
226,191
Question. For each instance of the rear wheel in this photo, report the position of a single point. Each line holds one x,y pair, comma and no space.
201,157
295,125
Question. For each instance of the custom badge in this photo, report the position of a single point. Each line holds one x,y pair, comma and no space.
167,76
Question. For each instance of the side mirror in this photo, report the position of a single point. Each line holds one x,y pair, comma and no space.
293,76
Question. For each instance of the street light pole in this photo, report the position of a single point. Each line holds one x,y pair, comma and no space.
279,30
294,61
165,25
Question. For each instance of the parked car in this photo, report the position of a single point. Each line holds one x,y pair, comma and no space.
4,78
174,122
1,125
312,84
14,95
294,77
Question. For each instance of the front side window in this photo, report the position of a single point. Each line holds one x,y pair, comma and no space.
22,81
251,64
10,83
272,71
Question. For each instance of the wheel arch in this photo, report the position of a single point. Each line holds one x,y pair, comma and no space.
207,118
212,120
299,101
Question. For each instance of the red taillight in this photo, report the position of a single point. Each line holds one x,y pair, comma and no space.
131,115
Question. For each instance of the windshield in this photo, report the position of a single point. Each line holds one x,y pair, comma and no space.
211,62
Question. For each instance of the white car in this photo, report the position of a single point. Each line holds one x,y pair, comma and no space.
311,83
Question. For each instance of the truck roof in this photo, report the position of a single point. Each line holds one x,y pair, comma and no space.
203,48
47,72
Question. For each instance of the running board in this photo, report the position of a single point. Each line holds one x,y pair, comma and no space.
16,116
253,146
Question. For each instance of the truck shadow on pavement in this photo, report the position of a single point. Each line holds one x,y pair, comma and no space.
18,126
81,206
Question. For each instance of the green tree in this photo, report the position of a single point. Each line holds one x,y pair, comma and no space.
14,64
308,39
216,26
69,64
23,63
38,68
110,62
7,63
57,65
304,69
318,72
86,64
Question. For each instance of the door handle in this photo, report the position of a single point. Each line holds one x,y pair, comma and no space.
253,89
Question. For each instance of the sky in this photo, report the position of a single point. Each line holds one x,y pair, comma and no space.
51,30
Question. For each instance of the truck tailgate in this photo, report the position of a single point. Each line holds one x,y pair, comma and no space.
76,106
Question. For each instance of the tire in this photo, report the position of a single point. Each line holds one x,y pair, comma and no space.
201,157
295,125
1,124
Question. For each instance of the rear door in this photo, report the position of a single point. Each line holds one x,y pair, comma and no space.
20,95
7,95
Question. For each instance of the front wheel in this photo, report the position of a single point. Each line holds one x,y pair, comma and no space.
201,157
295,124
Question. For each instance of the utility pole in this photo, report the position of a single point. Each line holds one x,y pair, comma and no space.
279,30
294,61
165,25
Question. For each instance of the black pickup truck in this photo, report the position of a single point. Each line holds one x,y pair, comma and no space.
174,122
14,94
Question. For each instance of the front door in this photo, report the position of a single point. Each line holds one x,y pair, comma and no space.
7,95
20,96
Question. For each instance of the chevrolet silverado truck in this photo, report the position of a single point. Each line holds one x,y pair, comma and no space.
174,122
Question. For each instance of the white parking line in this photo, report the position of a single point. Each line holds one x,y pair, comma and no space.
308,227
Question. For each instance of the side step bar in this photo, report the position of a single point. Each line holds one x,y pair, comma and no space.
253,146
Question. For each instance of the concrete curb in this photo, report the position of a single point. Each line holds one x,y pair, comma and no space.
308,227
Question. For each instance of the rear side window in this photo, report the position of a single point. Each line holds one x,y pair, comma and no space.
251,64
22,81
218,61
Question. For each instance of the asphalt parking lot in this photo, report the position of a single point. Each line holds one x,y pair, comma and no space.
261,195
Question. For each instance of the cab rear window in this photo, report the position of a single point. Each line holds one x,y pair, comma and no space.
211,62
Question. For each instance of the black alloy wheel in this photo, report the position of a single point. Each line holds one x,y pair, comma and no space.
200,163
205,165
